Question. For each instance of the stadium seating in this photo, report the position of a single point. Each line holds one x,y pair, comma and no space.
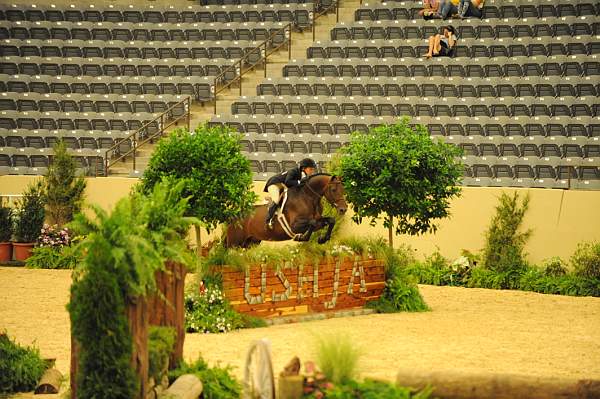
520,94
91,75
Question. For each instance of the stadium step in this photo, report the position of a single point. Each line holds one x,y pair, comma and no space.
201,113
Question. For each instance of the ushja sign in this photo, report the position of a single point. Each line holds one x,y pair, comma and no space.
332,284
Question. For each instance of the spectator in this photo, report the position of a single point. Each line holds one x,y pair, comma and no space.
448,8
430,8
470,8
442,45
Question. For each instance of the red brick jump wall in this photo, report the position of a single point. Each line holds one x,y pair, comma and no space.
333,284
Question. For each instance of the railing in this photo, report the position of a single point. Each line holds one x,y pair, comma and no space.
251,59
263,50
316,15
141,136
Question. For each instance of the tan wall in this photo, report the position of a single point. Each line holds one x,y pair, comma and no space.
559,219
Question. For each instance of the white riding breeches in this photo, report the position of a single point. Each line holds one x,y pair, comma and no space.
274,191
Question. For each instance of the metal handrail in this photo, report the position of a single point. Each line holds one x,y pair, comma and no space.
316,15
163,118
238,67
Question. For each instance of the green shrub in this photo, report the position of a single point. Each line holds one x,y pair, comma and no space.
52,258
586,260
20,367
503,251
337,356
373,389
6,224
554,267
401,293
30,214
217,382
484,278
209,311
160,347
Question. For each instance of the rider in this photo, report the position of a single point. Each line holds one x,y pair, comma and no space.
291,178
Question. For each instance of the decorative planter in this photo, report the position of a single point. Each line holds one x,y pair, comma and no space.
331,285
23,250
5,252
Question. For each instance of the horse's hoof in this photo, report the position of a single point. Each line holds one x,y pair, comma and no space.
322,240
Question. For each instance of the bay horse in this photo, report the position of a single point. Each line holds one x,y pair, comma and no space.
303,211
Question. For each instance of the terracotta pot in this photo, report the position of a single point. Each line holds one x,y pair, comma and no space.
5,252
23,250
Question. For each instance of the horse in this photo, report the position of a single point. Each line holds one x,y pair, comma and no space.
303,212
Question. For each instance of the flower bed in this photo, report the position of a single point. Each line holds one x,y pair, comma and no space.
331,284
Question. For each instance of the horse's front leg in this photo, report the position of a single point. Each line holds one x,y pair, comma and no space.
312,226
330,222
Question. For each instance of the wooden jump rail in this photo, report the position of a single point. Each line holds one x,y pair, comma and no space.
164,120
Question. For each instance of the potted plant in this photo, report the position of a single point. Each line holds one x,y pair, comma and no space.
6,230
29,220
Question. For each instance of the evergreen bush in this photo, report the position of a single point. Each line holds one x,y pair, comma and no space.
504,248
30,213
64,191
20,367
6,224
586,260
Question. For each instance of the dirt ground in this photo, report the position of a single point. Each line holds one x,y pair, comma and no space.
467,329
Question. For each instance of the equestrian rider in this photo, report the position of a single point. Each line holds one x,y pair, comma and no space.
291,178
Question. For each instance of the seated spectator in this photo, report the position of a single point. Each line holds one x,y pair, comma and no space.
470,8
448,8
442,45
430,9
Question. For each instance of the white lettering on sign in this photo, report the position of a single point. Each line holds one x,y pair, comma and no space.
357,271
336,282
255,299
360,274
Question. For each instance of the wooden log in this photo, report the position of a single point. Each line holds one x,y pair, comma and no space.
179,301
290,387
188,386
137,315
455,385
50,382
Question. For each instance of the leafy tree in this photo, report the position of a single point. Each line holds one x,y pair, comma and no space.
400,172
217,176
64,191
30,213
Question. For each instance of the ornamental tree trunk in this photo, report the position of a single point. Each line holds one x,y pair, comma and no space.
198,241
391,233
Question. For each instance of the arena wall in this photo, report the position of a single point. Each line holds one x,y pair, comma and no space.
559,219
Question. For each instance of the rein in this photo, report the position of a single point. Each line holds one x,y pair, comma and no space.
312,191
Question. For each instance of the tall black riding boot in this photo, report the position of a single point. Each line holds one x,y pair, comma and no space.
270,215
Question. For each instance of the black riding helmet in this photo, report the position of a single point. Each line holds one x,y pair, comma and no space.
307,163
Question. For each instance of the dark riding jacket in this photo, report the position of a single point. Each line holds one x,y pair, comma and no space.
291,178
